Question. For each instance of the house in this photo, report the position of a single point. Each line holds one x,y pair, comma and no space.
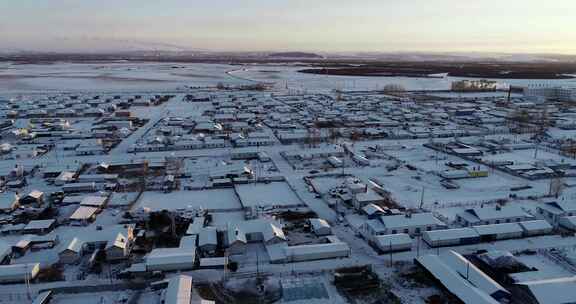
19,273
369,196
79,187
170,259
489,233
550,291
262,231
392,242
536,227
316,252
371,228
475,276
320,227
451,237
72,252
64,177
452,281
273,234
373,211
245,153
35,197
208,240
8,202
118,248
94,201
179,290
196,226
5,252
212,263
83,216
20,248
235,241
493,215
553,211
568,222
189,241
97,178
413,224
39,226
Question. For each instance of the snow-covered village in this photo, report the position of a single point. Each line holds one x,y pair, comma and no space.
287,152
242,191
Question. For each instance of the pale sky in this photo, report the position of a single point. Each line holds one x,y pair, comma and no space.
512,26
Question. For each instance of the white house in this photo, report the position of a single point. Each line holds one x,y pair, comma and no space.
170,259
392,242
494,232
493,215
316,252
451,237
412,224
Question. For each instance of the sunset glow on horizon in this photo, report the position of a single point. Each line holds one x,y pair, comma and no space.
511,26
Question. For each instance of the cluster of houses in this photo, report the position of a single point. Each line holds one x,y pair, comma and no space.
69,124
75,105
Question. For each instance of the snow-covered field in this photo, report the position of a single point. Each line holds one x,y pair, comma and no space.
220,199
125,76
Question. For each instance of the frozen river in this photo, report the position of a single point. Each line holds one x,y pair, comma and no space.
132,77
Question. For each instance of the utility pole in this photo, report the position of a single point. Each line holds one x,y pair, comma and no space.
390,250
422,198
467,270
418,246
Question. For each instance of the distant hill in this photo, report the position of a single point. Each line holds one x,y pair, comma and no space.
295,55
